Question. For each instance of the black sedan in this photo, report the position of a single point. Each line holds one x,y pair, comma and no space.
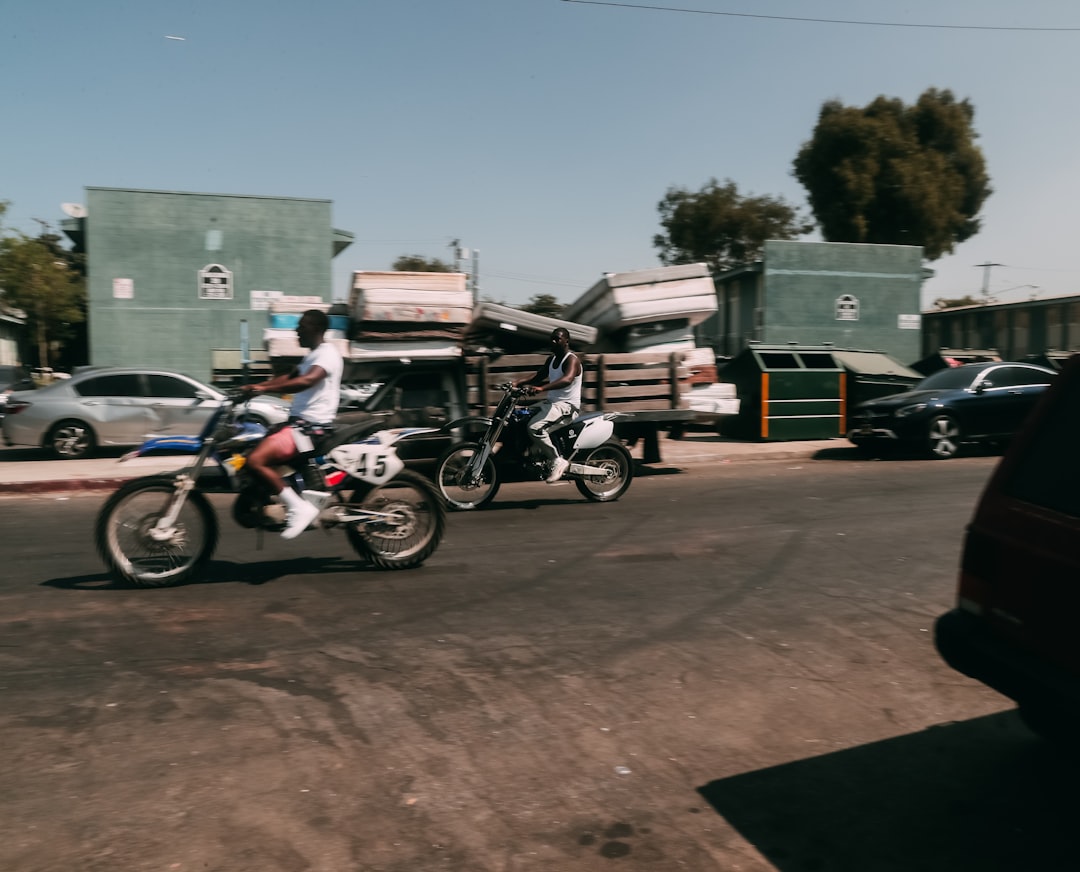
978,402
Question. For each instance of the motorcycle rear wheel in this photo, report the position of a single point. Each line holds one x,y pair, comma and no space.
464,496
618,468
134,557
415,530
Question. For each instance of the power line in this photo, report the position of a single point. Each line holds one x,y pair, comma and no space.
536,280
821,20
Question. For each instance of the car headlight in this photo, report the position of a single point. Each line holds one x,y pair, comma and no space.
913,409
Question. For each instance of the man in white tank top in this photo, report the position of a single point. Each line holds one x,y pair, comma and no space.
561,377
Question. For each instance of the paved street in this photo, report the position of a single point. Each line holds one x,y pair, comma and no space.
730,669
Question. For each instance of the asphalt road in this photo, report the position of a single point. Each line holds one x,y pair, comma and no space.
729,669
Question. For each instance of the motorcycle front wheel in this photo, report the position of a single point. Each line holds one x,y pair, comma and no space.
618,471
135,553
407,524
461,490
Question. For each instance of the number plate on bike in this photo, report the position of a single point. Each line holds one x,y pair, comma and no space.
372,462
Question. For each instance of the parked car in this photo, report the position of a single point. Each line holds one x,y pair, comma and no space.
117,406
354,395
1017,614
13,378
976,402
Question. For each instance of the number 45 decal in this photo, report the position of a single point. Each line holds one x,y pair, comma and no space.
373,465
376,464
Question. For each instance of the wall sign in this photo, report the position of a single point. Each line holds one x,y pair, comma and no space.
847,308
215,283
261,300
123,289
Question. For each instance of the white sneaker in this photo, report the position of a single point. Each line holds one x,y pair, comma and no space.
318,499
298,520
558,467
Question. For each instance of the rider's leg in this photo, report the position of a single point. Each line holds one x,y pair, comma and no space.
278,448
549,416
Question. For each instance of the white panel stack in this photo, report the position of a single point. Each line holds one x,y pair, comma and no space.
284,343
410,304
668,296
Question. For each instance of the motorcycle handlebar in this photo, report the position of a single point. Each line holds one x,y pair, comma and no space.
513,390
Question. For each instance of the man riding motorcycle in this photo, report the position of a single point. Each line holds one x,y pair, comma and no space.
561,376
317,383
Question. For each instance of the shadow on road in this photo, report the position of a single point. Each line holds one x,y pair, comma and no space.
980,795
893,454
229,572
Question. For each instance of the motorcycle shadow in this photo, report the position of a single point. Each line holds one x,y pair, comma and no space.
227,572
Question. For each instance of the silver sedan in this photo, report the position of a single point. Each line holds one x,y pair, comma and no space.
102,406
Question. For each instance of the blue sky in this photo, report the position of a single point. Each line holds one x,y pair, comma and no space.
542,133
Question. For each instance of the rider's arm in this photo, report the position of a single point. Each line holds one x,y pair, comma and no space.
535,379
291,383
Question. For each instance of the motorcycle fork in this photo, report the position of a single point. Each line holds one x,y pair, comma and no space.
476,465
183,484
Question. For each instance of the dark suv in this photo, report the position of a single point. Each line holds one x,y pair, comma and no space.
977,402
1016,621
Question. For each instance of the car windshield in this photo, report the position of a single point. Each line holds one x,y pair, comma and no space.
953,378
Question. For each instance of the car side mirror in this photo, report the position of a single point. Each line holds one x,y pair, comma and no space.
203,396
982,386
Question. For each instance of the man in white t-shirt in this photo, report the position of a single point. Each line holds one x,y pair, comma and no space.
317,385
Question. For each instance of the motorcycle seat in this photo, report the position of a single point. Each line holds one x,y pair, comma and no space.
348,433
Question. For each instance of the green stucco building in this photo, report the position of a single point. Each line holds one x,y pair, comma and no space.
173,276
817,293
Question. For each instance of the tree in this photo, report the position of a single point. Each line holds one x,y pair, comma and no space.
896,174
47,283
419,263
543,304
722,228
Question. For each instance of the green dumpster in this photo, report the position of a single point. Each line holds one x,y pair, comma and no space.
786,392
873,374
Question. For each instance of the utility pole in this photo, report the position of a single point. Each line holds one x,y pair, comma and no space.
475,277
986,267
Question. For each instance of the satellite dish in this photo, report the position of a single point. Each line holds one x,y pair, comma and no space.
74,210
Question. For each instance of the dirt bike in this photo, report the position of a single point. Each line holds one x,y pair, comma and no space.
161,529
468,474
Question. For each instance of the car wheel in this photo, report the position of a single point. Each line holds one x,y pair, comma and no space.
943,436
70,440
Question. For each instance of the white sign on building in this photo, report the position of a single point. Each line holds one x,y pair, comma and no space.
215,283
261,300
847,308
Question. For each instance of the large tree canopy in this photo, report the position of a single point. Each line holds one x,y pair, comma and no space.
896,174
46,282
419,263
543,304
720,227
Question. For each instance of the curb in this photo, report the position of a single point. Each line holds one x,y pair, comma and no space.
79,484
